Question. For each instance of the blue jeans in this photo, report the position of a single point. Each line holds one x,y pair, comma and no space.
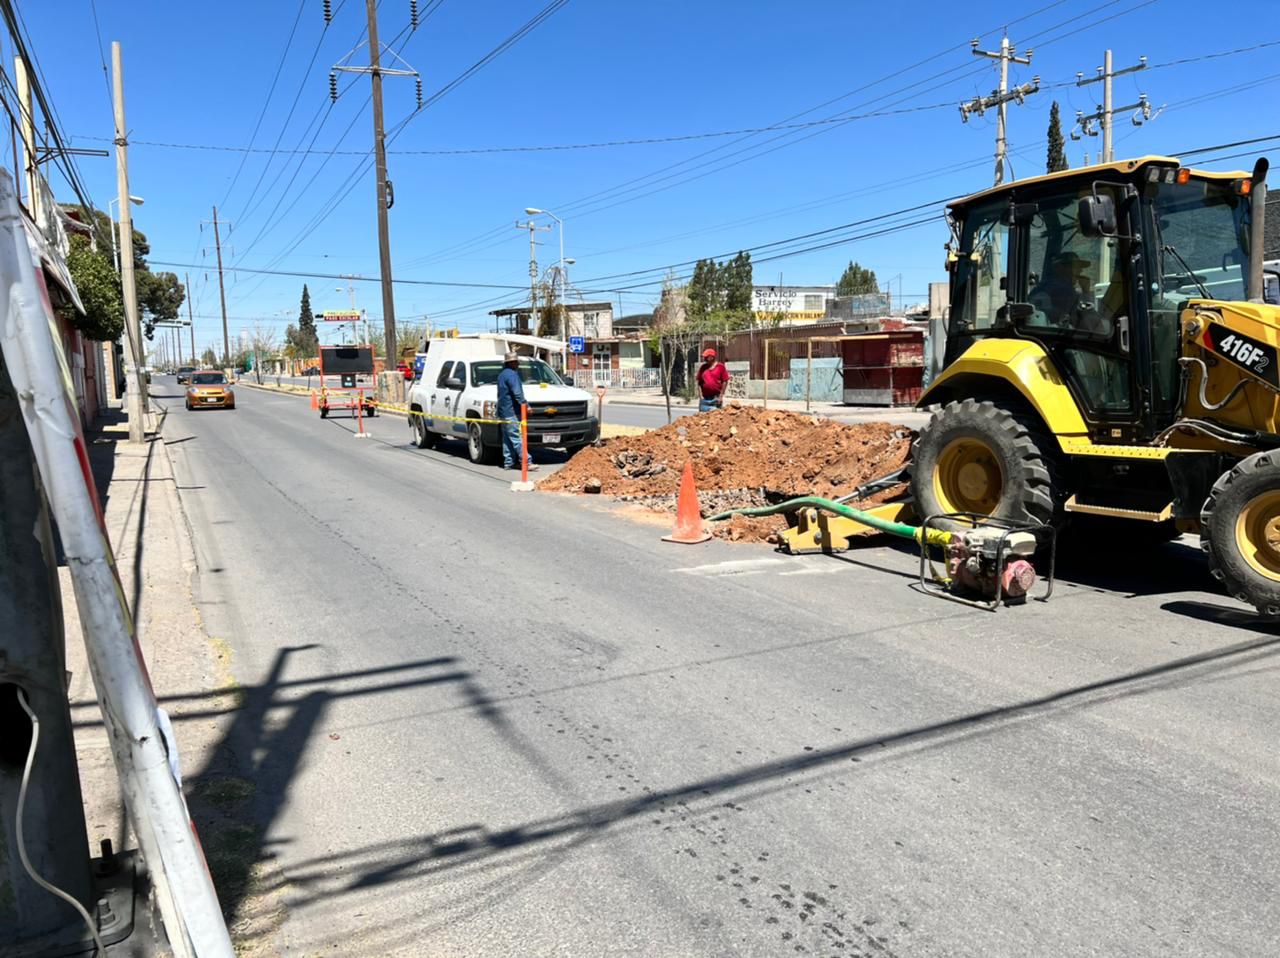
706,405
511,452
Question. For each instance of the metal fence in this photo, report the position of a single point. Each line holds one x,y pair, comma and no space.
632,378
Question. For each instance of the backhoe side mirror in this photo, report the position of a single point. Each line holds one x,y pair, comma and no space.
1097,216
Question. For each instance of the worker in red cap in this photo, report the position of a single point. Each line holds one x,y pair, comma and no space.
713,380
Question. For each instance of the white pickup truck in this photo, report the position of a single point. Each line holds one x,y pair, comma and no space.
456,381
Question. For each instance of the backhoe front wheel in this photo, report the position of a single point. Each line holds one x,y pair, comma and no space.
977,456
1240,531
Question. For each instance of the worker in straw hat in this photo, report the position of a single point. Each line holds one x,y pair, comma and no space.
510,399
713,380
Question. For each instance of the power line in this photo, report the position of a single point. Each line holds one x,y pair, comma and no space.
635,185
603,144
246,209
342,276
332,204
544,14
293,31
61,157
102,53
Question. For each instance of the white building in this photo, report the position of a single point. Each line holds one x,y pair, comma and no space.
795,304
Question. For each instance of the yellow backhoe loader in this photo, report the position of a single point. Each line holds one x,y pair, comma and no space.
1109,353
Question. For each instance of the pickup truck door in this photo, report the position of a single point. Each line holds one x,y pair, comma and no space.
444,400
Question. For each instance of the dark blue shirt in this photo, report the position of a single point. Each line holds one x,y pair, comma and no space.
510,393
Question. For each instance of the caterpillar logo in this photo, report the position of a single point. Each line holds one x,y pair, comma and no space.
1257,357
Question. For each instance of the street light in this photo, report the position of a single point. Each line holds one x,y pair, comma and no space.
115,252
564,311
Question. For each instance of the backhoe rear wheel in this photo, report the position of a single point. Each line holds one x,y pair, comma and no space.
977,456
1240,531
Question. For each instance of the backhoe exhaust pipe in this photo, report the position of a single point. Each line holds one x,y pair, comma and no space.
1257,241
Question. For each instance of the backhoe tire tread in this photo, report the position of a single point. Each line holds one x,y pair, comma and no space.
1234,489
1026,453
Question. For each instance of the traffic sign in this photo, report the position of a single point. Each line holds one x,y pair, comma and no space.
577,344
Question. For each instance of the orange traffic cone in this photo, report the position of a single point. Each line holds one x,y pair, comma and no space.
314,403
689,528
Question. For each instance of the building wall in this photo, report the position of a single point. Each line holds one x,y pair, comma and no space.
631,355
591,323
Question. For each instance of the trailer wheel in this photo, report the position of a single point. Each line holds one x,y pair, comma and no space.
1240,531
976,456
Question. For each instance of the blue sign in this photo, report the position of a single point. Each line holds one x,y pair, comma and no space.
577,344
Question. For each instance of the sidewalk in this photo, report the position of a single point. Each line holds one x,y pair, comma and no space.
189,671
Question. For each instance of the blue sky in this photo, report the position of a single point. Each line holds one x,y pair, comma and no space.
597,72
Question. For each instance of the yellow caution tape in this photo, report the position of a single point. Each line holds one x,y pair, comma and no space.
405,411
426,415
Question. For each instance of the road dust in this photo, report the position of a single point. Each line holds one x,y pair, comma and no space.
741,456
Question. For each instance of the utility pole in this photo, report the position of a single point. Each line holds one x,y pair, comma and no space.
136,399
222,292
532,227
1000,98
1105,114
191,319
385,195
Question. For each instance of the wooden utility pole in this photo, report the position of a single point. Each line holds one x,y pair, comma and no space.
1000,98
134,357
376,72
222,292
191,320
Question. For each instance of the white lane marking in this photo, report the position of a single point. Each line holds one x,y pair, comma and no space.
733,567
825,568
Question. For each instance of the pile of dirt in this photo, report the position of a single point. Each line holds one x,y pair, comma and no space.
741,456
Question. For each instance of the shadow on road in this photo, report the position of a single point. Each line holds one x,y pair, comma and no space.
244,786
539,842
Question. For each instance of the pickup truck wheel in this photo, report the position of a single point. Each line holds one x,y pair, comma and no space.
423,437
477,451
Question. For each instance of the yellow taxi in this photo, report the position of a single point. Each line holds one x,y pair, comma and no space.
210,389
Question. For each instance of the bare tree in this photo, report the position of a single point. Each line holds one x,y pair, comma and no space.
264,342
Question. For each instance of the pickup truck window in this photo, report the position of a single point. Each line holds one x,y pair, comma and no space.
531,371
445,372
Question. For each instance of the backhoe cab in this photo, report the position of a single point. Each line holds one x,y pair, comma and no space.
1109,353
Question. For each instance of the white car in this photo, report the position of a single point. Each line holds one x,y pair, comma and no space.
457,383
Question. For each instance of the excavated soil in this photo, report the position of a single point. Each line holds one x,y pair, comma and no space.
741,456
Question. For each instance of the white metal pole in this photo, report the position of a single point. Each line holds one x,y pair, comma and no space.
564,303
1002,111
1107,155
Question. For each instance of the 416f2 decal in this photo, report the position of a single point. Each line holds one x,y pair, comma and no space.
1245,351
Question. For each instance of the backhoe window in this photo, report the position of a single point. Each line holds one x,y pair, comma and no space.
1078,288
982,272
1202,230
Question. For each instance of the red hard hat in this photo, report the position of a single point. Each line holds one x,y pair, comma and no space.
708,353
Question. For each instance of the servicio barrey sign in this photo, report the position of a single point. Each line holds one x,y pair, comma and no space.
794,302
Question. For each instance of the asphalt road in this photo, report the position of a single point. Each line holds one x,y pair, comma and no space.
481,722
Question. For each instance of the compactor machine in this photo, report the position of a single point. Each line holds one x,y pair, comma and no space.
1109,354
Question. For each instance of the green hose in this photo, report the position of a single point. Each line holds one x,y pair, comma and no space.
901,529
